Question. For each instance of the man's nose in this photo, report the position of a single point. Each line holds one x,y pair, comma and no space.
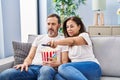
50,26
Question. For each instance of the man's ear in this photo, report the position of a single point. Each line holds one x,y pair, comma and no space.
59,26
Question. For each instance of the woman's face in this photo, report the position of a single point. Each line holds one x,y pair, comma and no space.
72,28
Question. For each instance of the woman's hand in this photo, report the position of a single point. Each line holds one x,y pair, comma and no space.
23,66
52,44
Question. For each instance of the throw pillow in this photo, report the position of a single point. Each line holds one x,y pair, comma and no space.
21,51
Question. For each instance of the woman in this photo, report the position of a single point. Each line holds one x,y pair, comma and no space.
83,65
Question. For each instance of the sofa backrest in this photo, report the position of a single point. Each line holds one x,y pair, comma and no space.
107,51
31,38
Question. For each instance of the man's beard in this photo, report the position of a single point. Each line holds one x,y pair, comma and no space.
51,32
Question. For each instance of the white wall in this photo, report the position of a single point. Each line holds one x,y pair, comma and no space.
28,12
43,16
1,34
86,12
10,30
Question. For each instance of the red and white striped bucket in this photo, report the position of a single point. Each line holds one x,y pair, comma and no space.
46,55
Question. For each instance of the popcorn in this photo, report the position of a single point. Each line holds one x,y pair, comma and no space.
48,53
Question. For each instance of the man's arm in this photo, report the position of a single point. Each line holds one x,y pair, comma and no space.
30,56
28,60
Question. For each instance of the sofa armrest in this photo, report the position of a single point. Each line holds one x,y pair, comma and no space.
6,63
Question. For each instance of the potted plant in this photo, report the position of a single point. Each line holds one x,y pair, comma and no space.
67,8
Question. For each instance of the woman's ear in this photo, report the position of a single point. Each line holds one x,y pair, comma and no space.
79,27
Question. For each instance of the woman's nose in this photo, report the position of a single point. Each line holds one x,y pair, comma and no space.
68,28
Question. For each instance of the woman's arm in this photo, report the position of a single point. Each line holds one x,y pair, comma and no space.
70,41
65,58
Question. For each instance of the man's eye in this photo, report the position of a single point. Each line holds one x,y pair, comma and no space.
53,23
48,23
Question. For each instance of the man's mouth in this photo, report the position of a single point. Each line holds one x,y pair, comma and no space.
50,30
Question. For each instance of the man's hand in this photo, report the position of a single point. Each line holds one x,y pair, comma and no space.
52,62
23,66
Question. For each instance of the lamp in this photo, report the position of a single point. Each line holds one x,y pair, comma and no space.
118,13
98,6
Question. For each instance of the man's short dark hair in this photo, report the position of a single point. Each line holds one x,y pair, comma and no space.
55,15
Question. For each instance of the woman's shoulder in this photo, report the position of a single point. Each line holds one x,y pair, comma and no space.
84,34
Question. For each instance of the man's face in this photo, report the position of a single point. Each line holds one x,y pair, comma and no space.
53,26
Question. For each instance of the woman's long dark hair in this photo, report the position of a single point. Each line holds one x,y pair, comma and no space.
78,21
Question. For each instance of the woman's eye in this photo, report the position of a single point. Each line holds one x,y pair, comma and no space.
67,26
71,26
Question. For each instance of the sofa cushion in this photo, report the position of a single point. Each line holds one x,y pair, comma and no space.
21,50
107,51
31,38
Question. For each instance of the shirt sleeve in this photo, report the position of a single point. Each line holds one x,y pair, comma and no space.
37,40
86,37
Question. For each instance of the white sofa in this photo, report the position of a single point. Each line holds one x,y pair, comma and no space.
106,50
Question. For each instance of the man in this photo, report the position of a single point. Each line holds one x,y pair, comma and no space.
32,67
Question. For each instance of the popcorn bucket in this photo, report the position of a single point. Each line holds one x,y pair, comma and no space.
48,53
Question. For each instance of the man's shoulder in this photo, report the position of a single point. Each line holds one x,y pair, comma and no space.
60,36
41,36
